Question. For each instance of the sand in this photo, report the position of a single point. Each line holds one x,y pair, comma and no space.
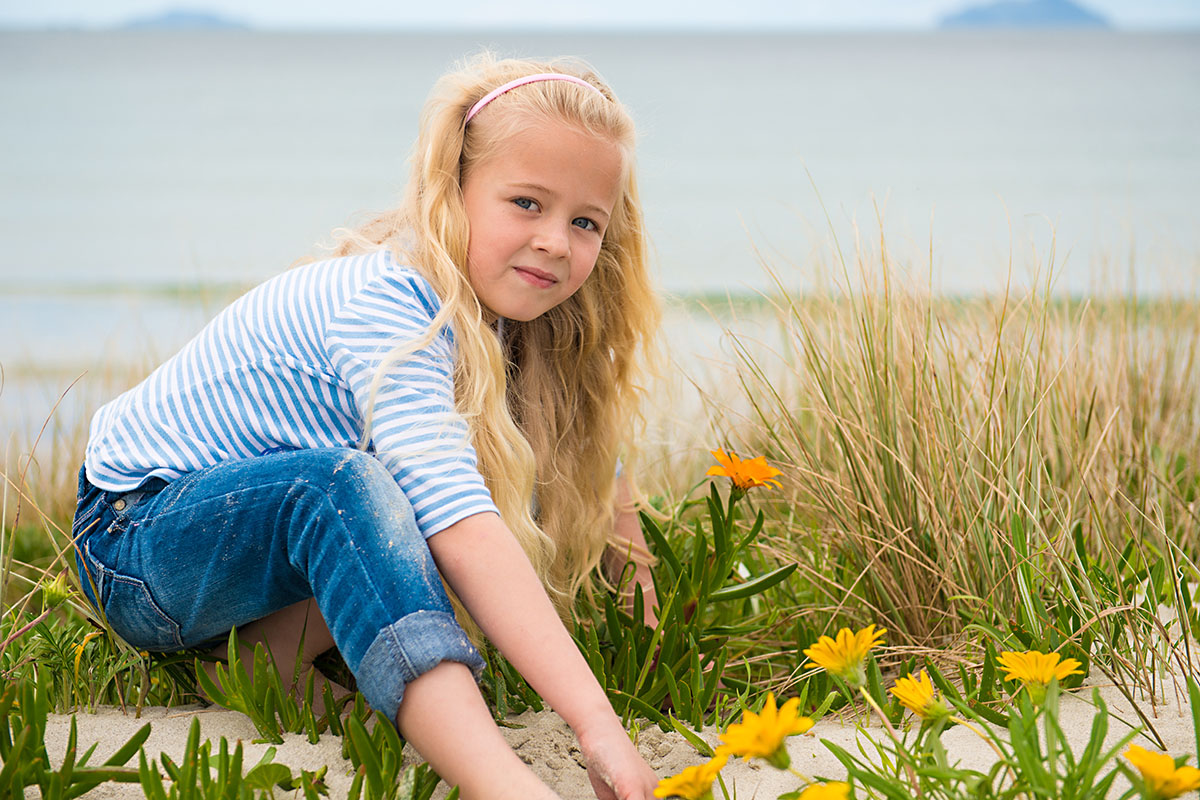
545,743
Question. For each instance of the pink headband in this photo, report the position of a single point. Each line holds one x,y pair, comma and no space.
508,87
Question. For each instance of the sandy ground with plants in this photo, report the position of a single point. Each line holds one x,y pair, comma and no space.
547,745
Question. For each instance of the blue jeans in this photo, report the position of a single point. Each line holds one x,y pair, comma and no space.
178,564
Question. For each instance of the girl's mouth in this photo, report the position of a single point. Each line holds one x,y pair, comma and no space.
536,277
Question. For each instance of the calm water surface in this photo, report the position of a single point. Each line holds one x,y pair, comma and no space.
131,162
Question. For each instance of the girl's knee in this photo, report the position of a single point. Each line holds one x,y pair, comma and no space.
353,477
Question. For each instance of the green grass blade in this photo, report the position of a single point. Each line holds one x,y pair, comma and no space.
127,750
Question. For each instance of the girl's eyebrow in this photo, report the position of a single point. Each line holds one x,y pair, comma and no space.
537,187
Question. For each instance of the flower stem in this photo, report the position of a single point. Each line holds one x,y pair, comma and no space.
16,634
912,776
980,734
800,775
990,742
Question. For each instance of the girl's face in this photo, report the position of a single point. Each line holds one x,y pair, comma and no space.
538,209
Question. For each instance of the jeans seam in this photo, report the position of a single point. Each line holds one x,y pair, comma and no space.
86,515
107,574
170,624
399,649
96,571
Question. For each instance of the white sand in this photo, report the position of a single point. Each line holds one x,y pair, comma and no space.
547,745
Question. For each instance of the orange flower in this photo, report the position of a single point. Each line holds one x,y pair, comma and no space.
744,474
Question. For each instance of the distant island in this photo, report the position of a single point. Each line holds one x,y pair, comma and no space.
179,19
1025,14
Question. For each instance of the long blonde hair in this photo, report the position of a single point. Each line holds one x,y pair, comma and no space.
558,401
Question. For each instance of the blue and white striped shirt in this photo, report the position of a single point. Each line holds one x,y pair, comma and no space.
290,365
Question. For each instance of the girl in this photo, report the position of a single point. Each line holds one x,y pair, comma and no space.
442,401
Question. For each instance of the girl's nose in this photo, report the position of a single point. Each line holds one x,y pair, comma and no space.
553,239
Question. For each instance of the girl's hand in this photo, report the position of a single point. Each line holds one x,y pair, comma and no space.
615,768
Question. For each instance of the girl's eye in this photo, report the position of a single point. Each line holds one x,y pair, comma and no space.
526,203
585,223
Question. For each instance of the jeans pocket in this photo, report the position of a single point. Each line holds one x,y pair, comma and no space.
131,609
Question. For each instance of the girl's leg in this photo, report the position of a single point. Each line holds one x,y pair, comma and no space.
442,715
446,719
296,631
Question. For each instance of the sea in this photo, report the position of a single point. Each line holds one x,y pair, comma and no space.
149,176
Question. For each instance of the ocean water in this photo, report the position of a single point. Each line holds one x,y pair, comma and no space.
140,170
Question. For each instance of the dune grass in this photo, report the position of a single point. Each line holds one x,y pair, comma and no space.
1020,468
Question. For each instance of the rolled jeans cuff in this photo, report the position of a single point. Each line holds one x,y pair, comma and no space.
407,649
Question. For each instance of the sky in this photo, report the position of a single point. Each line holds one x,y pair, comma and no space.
654,14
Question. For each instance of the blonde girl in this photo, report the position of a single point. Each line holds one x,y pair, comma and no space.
443,401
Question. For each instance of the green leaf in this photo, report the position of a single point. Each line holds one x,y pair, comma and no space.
822,709
1194,698
68,765
752,587
266,776
127,750
209,687
259,683
645,709
356,785
361,744
662,548
987,680
702,747
16,759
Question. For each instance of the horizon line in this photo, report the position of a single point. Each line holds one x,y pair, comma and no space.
758,28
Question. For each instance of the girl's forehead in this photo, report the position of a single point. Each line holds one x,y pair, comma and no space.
537,135
494,126
558,146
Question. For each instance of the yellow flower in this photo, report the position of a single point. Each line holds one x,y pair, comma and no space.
844,656
79,649
694,783
917,694
1035,670
761,735
1163,779
833,790
744,474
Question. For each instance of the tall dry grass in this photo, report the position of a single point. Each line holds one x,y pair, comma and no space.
39,465
1022,467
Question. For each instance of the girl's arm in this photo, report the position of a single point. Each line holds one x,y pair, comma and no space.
629,544
488,570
